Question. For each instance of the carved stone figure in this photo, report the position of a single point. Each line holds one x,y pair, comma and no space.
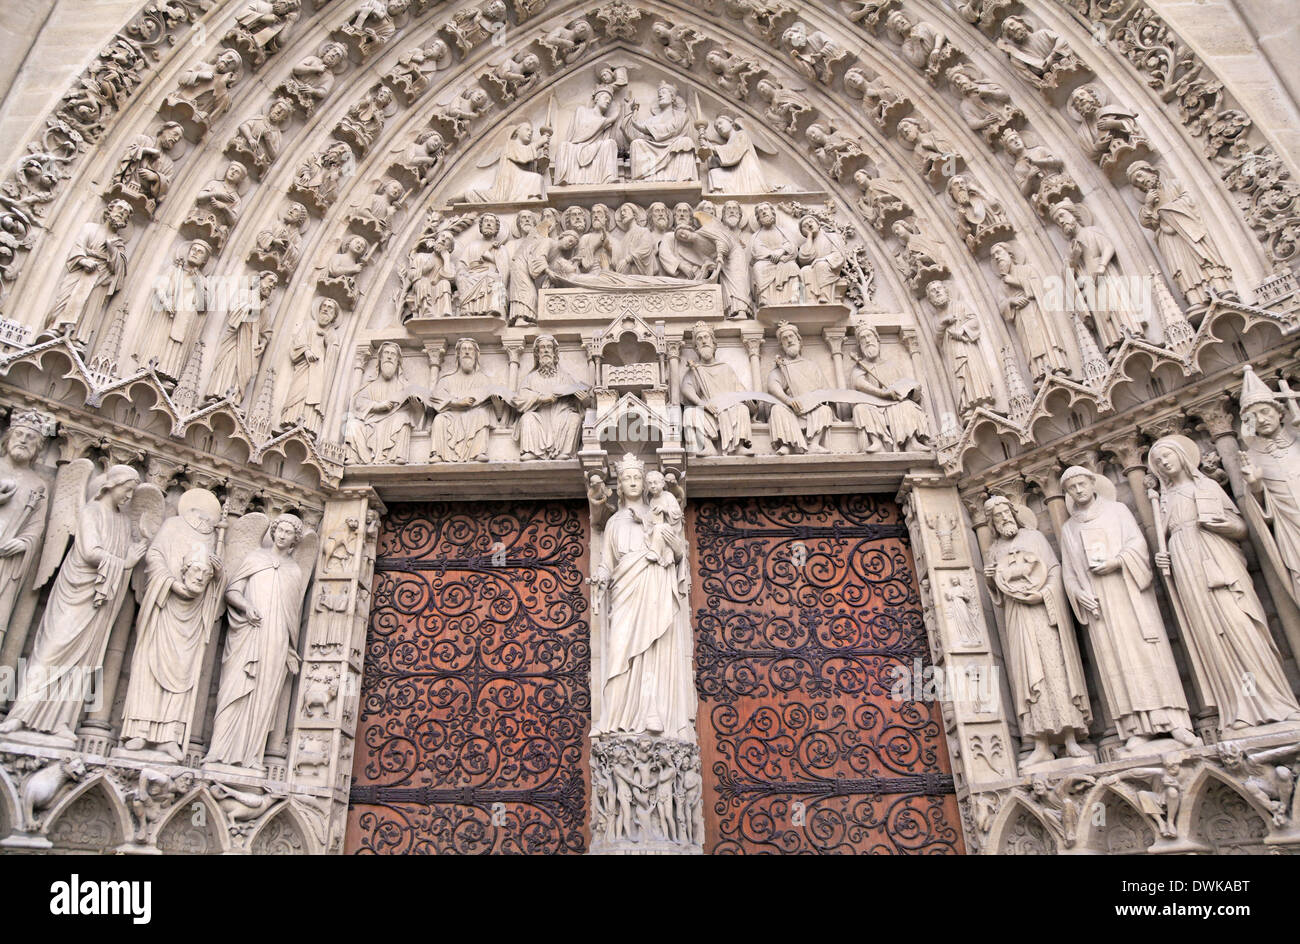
465,400
902,423
321,176
22,505
776,271
918,257
732,71
1047,681
800,420
590,153
733,165
925,45
257,139
111,531
959,338
147,167
267,581
481,267
260,28
717,418
520,163
375,216
932,156
379,424
1037,171
421,157
203,94
311,80
469,27
646,681
821,258
463,109
373,24
1092,261
313,359
986,107
1162,799
1222,620
426,290
813,52
365,120
242,343
1184,241
280,247
723,246
568,44
1040,55
339,279
1110,132
662,146
1108,578
413,73
785,106
833,148
1041,339
182,299
678,42
178,598
217,206
96,269
550,402
1270,466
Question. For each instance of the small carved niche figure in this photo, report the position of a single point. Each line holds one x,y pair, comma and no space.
934,158
280,247
178,599
147,167
980,218
419,158
373,24
883,102
1110,132
1037,171
1184,240
182,298
313,359
23,500
217,206
243,341
800,419
959,337
320,177
1163,796
785,106
717,418
203,93
1040,55
1042,342
925,45
379,425
568,44
365,120
813,52
514,75
95,270
311,80
257,140
414,71
110,518
550,403
1047,680
732,72
1222,620
1114,313
261,26
986,107
1109,580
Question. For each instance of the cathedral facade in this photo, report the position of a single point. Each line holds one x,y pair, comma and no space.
612,427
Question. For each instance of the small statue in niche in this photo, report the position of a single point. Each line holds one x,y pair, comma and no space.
206,96
379,424
1038,172
550,403
1042,342
918,258
515,75
800,420
481,267
313,360
884,199
1184,241
776,271
1222,621
959,338
217,206
242,343
374,24
662,145
901,424
182,297
179,597
521,164
413,73
280,247
339,280
375,216
884,103
95,270
261,26
1040,55
111,518
821,259
23,501
466,107
833,148
312,79
320,178
870,13
421,157
257,140
1163,796
568,44
1047,680
732,71
813,52
470,27
785,106
1092,262
466,399
147,167
925,46
365,120
980,218
717,418
932,156
1110,132
340,546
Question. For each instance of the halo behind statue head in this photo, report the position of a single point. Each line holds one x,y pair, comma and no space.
1184,447
200,501
1104,486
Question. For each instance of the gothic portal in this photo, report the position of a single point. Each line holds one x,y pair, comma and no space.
655,427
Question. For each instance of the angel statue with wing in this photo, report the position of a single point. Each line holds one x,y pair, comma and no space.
111,523
269,569
180,597
734,165
521,161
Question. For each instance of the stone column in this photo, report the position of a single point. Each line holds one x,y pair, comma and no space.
1129,453
753,347
324,716
979,738
834,338
674,370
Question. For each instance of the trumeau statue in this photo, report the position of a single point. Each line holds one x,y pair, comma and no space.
268,570
902,423
179,599
1109,580
1042,654
111,518
182,300
1221,619
646,681
96,269
801,419
465,400
662,146
379,425
242,342
1184,240
717,418
550,402
1270,466
23,500
313,359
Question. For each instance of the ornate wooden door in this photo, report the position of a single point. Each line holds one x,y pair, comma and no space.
475,699
804,607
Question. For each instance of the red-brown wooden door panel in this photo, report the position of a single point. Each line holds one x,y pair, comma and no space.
803,609
475,701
